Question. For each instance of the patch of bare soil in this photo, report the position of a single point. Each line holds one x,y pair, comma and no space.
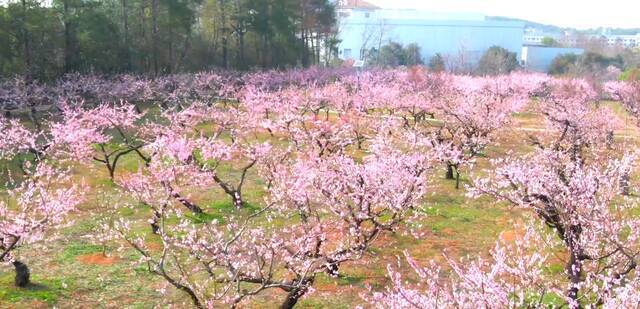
97,259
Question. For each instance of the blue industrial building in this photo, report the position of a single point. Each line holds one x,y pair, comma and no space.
539,58
460,38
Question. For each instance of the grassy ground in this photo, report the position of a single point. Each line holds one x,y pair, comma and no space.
73,272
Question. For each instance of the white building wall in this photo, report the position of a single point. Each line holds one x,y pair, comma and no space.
470,38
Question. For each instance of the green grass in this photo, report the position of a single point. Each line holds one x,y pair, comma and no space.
47,290
72,251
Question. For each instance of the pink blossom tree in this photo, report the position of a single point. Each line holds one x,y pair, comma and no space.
104,134
37,202
468,115
580,202
581,220
227,142
321,212
513,277
628,93
574,119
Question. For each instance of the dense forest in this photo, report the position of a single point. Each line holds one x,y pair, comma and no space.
45,39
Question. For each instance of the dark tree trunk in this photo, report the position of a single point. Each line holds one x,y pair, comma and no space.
574,271
625,184
225,43
112,171
154,35
68,41
571,239
333,269
225,53
265,51
22,274
34,118
25,37
238,203
155,227
294,295
125,26
191,206
449,174
241,49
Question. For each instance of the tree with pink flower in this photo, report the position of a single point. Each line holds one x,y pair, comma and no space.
37,201
321,212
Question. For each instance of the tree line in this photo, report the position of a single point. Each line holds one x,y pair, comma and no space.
45,39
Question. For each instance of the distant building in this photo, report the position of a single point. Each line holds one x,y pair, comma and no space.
623,40
461,38
534,37
540,58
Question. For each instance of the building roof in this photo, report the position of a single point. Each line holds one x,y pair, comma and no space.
357,4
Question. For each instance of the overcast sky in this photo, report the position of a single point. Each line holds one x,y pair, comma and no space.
566,13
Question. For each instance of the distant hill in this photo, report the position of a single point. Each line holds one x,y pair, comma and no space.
556,29
528,23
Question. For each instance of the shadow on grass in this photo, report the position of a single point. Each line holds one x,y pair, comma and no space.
39,289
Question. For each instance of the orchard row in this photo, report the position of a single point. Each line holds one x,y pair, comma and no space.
345,158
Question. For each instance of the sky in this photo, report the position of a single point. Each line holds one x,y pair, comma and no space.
579,14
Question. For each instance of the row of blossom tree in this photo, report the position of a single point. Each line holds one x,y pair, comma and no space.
344,158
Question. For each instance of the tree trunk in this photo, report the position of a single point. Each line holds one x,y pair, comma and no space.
457,179
22,274
574,265
125,26
294,295
155,227
112,171
154,35
574,271
225,53
241,49
237,200
304,42
68,41
191,206
625,184
34,118
449,174
264,51
223,29
25,37
167,68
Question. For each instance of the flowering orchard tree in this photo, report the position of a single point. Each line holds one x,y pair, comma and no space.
628,93
15,138
581,203
468,115
108,133
582,220
104,134
36,202
213,141
512,278
320,213
416,94
294,116
574,118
